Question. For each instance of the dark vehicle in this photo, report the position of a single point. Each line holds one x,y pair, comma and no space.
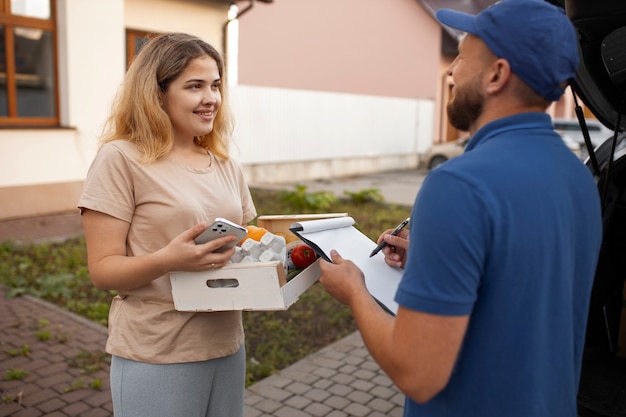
601,85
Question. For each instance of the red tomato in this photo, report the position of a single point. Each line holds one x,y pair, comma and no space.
302,256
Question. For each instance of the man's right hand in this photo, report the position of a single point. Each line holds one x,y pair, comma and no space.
397,247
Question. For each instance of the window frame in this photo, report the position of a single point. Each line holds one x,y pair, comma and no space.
8,22
131,37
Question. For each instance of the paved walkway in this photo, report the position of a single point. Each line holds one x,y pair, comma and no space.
55,347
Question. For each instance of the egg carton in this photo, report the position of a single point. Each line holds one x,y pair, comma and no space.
269,248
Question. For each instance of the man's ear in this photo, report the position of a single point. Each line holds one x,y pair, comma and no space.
499,74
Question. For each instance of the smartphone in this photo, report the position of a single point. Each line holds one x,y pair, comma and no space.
220,228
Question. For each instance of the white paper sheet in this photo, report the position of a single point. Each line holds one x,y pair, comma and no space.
340,234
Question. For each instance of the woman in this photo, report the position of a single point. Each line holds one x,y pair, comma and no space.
161,176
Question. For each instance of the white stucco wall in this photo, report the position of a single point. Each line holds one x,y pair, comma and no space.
283,125
283,135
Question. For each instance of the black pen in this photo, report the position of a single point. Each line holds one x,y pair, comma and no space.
394,233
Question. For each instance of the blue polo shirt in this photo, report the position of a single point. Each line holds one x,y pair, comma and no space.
509,234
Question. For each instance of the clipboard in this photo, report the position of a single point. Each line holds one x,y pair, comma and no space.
340,234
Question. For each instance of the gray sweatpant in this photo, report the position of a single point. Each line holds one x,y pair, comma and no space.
213,388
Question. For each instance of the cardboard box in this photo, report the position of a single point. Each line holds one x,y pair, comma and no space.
248,286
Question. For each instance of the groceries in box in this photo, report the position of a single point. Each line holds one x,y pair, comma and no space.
251,285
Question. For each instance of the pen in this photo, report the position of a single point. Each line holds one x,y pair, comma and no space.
394,233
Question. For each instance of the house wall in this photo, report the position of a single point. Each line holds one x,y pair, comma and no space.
332,88
286,135
42,170
382,48
202,18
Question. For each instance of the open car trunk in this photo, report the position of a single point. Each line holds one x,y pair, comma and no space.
601,85
603,381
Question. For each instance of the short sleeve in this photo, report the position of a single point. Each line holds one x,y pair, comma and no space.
109,185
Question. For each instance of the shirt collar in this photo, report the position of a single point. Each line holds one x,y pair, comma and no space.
530,120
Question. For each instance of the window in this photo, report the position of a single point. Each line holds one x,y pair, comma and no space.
135,39
28,76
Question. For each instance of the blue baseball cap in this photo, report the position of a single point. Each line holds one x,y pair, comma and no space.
535,37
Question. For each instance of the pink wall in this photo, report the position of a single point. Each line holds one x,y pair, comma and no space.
374,47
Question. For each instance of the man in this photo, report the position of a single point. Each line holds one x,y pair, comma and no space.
504,239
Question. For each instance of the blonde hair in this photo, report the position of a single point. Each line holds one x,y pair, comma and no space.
137,116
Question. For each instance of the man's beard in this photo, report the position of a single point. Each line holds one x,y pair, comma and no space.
465,108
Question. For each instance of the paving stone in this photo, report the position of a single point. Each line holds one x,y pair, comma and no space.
342,378
364,374
359,397
318,409
10,409
334,354
360,353
51,405
57,379
33,412
271,392
268,406
108,407
357,410
298,401
377,414
16,362
378,404
34,366
336,402
97,412
383,392
55,366
382,380
337,413
251,398
277,381
44,394
98,399
325,372
327,363
340,389
323,384
317,395
290,412
77,395
304,377
76,409
348,369
396,412
362,385
298,388
250,412
353,360
371,366
398,399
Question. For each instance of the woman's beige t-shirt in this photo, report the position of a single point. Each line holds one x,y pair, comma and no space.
159,201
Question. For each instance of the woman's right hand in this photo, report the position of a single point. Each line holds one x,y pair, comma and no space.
397,247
